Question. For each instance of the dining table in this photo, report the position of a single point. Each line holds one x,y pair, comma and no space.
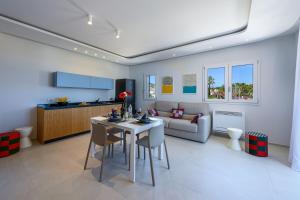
133,126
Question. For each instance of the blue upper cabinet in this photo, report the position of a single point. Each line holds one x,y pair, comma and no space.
62,79
102,83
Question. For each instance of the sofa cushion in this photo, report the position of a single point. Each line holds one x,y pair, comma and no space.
153,112
188,116
194,108
164,114
177,113
165,106
166,120
183,125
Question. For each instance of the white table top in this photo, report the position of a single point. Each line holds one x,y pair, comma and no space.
129,125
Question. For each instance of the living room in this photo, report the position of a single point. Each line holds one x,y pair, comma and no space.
213,94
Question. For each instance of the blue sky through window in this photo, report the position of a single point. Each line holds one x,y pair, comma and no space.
242,74
218,74
152,79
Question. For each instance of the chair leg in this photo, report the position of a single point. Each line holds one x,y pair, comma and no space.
108,154
87,155
138,137
167,154
151,165
102,163
144,153
129,157
124,141
125,148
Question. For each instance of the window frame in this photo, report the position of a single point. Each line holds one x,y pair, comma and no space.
205,85
146,87
228,82
255,82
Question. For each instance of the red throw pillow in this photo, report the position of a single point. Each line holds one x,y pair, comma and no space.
153,112
177,113
195,119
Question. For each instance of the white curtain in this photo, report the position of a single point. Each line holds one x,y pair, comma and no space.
294,156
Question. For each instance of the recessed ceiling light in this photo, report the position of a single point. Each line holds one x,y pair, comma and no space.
86,52
117,61
103,57
210,47
174,54
117,34
75,48
90,20
96,54
247,40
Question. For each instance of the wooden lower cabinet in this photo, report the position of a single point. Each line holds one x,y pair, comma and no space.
53,124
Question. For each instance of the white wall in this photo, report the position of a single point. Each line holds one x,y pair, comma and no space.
277,56
25,78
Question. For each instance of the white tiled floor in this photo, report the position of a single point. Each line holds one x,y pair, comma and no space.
198,171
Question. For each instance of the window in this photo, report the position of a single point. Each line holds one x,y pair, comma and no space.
242,82
231,83
150,87
216,83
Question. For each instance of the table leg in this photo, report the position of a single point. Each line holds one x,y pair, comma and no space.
132,156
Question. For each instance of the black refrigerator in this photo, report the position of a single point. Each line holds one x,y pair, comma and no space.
129,86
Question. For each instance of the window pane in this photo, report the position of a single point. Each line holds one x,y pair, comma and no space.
242,82
151,86
216,83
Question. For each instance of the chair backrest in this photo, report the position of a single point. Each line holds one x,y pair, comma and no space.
156,136
99,134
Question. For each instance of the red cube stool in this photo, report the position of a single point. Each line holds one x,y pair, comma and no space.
256,144
9,143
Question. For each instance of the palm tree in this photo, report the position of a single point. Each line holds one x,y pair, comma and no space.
211,82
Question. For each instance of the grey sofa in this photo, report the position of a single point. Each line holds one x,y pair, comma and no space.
183,128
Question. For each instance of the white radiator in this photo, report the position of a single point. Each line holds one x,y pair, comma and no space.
228,119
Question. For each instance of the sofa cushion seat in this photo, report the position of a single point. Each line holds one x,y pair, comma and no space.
183,125
165,119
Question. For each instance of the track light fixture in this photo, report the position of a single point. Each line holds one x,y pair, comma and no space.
90,21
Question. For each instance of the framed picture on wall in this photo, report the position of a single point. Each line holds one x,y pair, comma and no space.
167,85
189,84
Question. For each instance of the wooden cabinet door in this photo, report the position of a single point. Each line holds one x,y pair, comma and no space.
80,119
57,123
95,111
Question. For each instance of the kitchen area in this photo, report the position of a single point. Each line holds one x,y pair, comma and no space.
61,119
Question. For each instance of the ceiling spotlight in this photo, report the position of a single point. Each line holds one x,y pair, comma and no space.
86,52
95,54
90,21
174,54
117,34
247,40
75,48
103,57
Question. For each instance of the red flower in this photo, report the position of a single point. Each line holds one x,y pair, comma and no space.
124,94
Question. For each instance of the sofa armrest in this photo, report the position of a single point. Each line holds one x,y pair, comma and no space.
204,127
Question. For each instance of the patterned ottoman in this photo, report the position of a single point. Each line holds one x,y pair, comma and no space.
9,143
256,144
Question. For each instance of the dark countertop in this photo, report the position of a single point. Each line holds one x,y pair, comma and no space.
76,105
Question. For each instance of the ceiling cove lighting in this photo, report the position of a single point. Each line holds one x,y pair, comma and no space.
90,20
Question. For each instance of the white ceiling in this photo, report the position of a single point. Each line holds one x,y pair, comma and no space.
150,30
